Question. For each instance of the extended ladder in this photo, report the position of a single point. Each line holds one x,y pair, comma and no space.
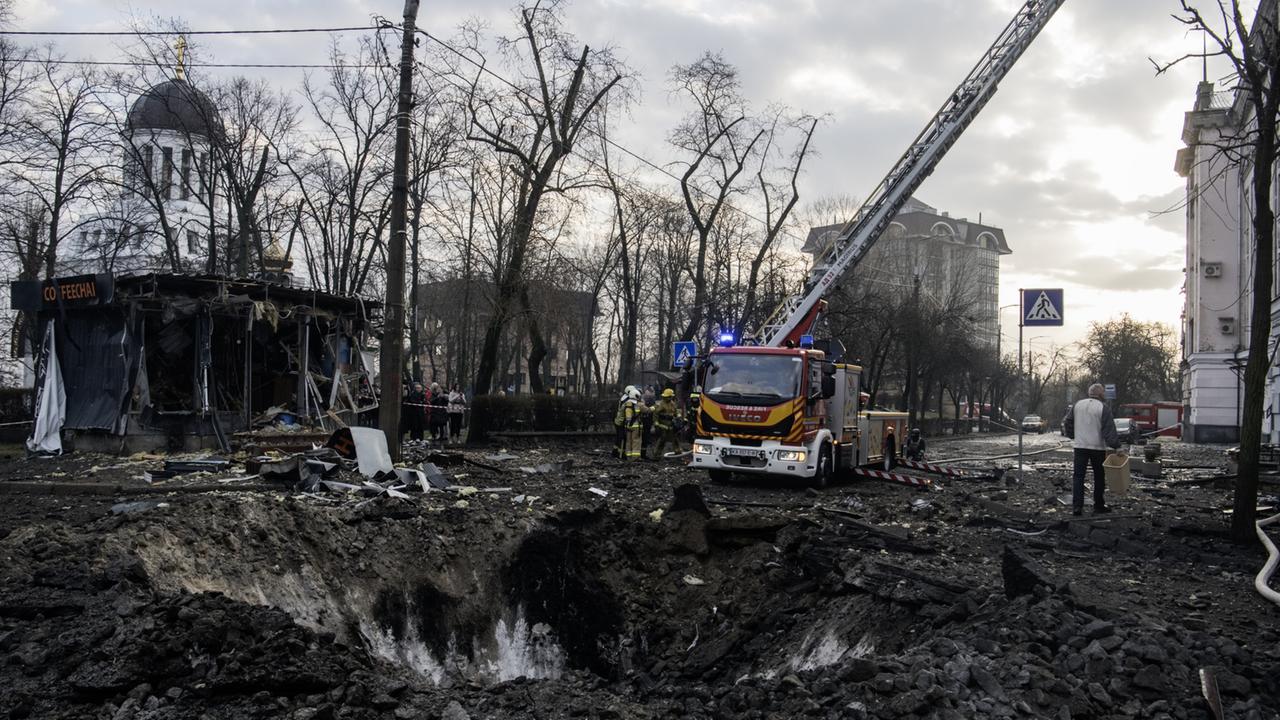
796,314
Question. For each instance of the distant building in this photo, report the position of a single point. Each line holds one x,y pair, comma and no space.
955,258
169,204
453,315
1218,290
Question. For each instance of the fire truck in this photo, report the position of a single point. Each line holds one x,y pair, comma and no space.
777,404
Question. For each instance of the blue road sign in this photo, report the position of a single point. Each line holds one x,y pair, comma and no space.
1042,307
683,352
1109,391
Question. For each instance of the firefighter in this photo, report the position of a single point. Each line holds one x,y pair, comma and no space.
647,401
890,448
691,411
664,421
631,412
620,424
913,448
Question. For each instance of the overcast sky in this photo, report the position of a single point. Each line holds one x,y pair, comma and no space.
1072,157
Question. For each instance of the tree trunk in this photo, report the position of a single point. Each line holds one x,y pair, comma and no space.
1255,373
537,345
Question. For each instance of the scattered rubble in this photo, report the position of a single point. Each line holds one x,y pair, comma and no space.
423,593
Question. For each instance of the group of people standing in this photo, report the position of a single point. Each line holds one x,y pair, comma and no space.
436,411
640,416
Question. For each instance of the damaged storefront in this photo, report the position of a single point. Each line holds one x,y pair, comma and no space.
159,361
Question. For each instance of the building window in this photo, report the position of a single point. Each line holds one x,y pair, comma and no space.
166,173
185,191
193,241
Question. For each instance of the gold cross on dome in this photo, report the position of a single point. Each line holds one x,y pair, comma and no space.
181,46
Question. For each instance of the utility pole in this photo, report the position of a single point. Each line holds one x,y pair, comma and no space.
391,358
415,354
1022,313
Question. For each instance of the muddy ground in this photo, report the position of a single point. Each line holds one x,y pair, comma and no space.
194,598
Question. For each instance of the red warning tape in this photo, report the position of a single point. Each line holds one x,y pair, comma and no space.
893,477
930,467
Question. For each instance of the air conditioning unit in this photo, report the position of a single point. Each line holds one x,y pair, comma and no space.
1227,325
1213,270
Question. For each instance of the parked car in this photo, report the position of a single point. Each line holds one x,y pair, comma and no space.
1033,424
1128,430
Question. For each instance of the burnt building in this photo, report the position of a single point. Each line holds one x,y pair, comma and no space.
154,361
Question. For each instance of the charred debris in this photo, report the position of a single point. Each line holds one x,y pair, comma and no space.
177,362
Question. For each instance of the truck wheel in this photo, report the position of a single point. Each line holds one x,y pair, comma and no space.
826,468
720,476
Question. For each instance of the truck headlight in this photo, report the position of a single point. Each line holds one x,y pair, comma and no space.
701,449
791,455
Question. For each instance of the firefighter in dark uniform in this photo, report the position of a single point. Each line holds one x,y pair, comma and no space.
691,411
664,421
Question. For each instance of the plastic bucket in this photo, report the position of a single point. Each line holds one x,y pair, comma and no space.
1116,468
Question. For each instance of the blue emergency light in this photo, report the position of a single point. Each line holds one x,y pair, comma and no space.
806,341
726,339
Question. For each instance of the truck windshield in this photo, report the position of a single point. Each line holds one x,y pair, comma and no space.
763,377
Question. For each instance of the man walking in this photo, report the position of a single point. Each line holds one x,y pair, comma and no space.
1090,426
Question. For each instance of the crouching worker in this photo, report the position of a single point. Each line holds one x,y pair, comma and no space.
913,448
664,421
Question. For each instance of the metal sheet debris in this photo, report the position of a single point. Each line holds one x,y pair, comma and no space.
435,477
371,451
413,478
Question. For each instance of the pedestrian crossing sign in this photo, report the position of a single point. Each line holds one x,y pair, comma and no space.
1042,307
683,352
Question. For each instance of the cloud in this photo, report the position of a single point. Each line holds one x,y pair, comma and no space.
1070,156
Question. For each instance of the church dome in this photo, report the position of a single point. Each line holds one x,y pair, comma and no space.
177,106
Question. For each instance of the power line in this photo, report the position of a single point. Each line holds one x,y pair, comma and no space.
135,33
138,63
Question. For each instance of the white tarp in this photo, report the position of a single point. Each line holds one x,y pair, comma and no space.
51,406
371,451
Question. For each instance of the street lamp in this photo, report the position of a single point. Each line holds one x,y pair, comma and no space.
999,332
999,336
1030,341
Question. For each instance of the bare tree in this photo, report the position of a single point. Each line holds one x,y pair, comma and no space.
342,177
779,199
66,144
254,120
1254,54
720,139
434,142
535,130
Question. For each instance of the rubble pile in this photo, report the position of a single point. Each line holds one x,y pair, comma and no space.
552,583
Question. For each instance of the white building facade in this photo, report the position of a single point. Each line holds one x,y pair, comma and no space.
169,204
1216,325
